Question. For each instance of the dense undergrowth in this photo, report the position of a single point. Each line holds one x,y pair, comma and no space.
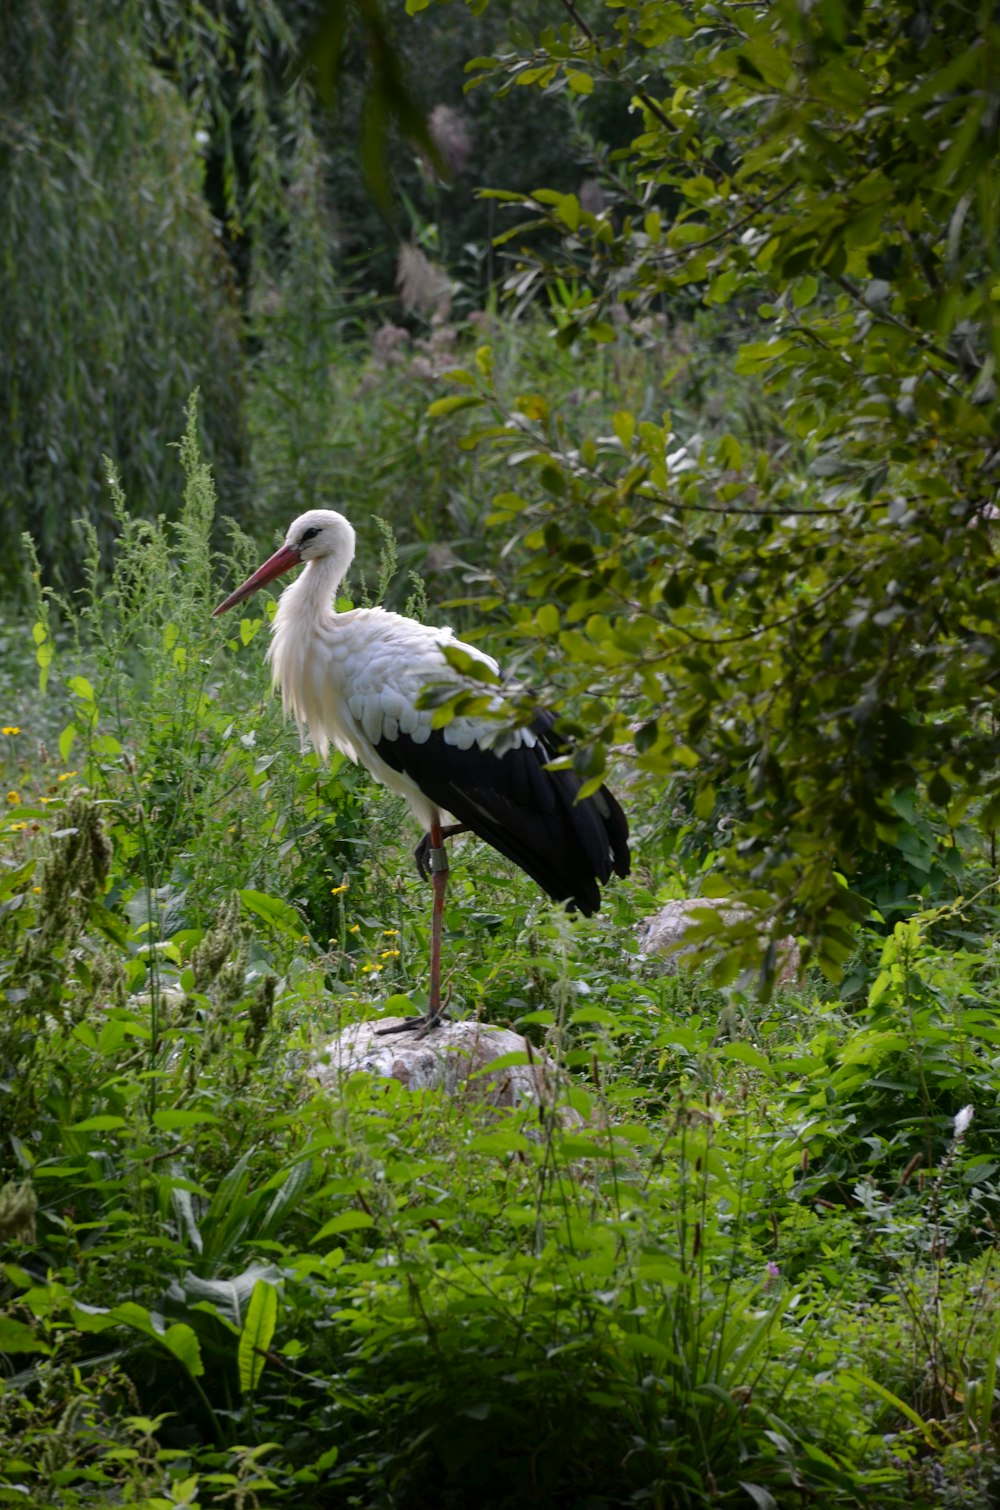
762,1272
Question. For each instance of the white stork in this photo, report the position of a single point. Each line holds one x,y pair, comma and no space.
354,681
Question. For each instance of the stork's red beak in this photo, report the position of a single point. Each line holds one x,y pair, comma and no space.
283,560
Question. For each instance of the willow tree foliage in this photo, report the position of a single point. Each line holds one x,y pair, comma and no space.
113,302
803,628
148,165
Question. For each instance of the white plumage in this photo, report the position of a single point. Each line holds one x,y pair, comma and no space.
353,680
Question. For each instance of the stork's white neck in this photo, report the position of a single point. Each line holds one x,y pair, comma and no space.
308,601
305,612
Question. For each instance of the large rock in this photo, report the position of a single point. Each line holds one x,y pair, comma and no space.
455,1057
667,933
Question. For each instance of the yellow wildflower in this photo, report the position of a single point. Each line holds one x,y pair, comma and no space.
354,928
36,889
335,890
66,775
389,954
13,798
15,828
11,729
390,933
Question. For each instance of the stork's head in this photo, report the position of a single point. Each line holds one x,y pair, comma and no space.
316,534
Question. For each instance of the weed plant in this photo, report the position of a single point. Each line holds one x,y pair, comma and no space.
757,1269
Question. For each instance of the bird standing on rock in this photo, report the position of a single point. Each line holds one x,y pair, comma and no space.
354,681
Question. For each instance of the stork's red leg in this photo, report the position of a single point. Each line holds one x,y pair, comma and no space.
433,852
439,880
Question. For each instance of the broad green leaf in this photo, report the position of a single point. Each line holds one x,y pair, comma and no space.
346,1221
255,1338
745,1053
17,1337
274,911
170,1120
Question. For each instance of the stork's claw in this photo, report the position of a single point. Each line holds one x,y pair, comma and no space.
418,1026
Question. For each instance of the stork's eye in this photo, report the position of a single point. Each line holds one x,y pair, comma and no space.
309,534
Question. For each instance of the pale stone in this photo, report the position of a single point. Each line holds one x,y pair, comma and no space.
665,932
454,1058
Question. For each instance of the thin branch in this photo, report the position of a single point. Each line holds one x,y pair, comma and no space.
888,318
760,630
647,491
727,230
641,94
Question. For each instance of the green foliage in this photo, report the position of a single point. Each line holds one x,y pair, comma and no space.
220,1280
366,1287
237,1280
885,1091
97,157
594,1306
802,619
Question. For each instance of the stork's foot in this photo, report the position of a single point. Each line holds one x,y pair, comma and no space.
420,1027
424,852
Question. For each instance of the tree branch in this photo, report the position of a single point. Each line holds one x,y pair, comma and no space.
646,99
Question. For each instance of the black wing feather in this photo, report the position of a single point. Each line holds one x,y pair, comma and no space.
528,813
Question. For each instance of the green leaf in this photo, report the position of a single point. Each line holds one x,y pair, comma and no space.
925,1428
182,1341
704,802
566,206
346,1221
804,291
179,1339
511,1060
16,1337
762,1498
745,1053
255,1338
452,403
171,1121
623,424
274,911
